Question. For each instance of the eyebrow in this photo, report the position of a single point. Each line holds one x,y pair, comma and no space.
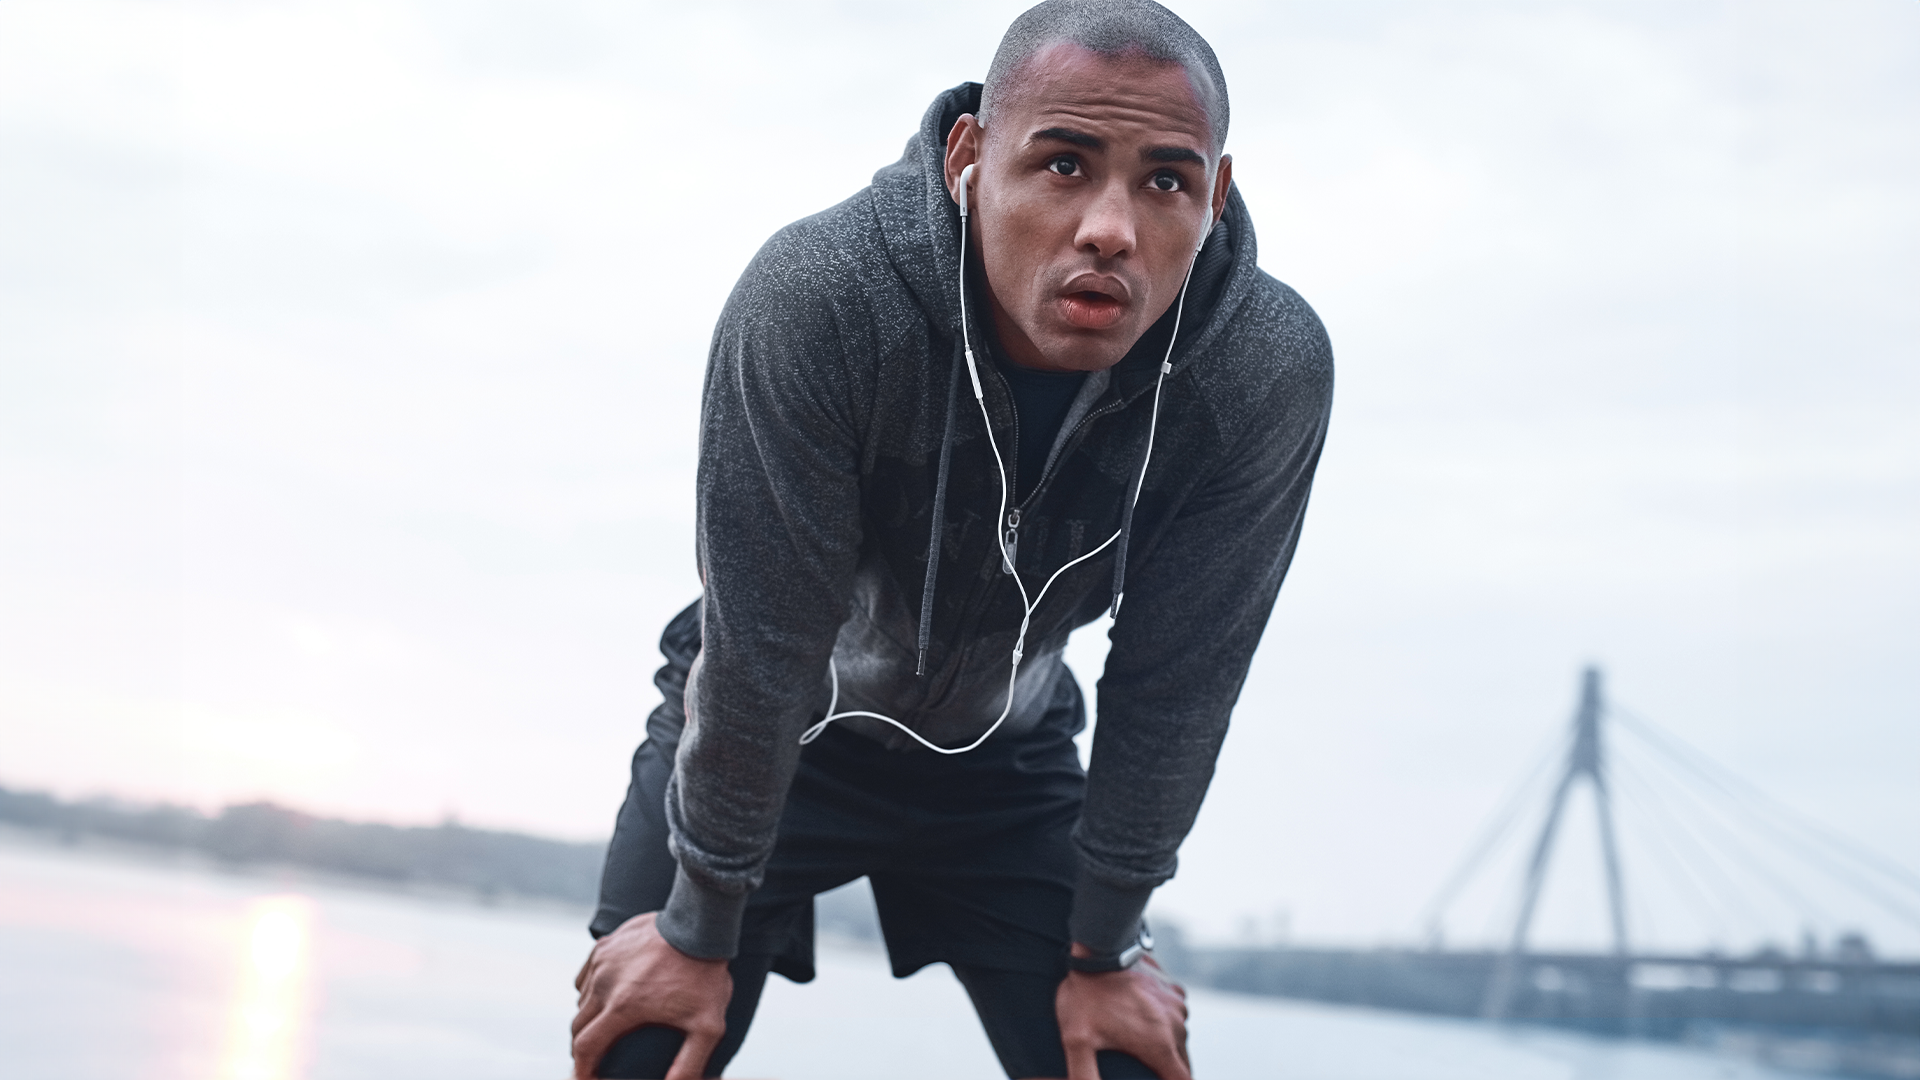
1175,153
1069,136
1094,142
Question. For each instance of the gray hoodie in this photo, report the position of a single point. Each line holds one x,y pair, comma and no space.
842,454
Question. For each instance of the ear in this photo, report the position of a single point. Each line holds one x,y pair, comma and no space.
1222,183
963,149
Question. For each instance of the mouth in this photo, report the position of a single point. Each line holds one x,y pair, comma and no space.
1092,309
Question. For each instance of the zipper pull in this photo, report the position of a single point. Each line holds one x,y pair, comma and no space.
1011,548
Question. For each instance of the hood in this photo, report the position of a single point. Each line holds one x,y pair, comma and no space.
921,226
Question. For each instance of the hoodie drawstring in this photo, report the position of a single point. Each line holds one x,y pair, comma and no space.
939,527
1126,533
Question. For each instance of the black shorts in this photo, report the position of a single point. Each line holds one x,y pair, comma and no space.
969,855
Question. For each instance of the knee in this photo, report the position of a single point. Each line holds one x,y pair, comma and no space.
1115,1065
645,1054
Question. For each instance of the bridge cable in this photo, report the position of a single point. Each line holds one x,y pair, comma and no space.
1819,855
1496,829
1735,868
1734,844
1706,868
1701,899
1736,786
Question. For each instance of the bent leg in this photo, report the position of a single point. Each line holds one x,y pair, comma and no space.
1016,1009
648,1053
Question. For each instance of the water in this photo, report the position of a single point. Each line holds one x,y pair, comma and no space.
116,967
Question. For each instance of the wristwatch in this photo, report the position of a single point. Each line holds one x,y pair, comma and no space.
1120,961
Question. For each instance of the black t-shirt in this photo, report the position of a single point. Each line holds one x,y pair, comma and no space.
1041,398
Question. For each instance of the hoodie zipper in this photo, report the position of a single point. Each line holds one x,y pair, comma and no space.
1010,525
982,599
1066,448
1011,537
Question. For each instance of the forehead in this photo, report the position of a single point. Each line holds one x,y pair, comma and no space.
1069,85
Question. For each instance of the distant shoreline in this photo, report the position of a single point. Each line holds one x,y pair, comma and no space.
450,859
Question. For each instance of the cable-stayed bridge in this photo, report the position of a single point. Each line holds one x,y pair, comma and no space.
1742,863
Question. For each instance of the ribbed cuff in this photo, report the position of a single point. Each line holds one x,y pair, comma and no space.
1106,919
702,922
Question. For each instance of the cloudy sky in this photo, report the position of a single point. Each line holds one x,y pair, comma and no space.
349,368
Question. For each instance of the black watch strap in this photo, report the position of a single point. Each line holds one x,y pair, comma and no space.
1120,961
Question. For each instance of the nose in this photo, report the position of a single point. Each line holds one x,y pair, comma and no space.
1107,226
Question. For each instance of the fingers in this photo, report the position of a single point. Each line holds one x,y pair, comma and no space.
580,980
1180,1030
1165,1062
1082,1063
1165,1052
1168,992
1174,1002
590,1044
590,1009
1142,1013
691,1061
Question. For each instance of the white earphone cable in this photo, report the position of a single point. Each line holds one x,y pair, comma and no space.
1028,605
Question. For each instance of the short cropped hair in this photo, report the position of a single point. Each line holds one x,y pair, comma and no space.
1111,28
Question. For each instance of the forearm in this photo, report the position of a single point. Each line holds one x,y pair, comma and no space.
1106,917
723,804
1145,788
1181,651
778,532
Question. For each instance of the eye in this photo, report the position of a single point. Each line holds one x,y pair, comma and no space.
1064,165
1166,181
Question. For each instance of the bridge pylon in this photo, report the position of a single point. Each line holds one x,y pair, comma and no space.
1586,760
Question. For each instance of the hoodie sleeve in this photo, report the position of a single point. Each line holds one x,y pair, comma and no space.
1194,611
778,534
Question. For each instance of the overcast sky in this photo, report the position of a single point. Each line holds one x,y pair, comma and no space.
350,357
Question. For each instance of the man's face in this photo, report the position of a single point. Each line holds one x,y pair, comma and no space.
1094,185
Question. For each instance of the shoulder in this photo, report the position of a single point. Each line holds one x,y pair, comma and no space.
822,260
1281,339
1271,363
800,322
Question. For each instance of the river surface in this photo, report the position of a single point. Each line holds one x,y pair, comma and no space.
119,967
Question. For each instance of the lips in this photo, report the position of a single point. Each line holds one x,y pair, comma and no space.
1093,302
1092,310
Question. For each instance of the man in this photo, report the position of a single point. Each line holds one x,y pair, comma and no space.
919,472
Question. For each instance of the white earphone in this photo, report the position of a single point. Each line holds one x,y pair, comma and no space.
979,397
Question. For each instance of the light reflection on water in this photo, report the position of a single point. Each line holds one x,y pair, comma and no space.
113,968
268,1022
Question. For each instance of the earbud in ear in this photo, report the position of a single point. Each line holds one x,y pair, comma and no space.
966,178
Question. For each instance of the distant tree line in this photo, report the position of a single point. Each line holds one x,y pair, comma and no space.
488,862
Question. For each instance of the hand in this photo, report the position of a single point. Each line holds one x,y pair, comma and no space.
634,978
1139,1011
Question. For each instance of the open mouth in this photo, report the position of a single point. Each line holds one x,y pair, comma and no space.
1090,309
